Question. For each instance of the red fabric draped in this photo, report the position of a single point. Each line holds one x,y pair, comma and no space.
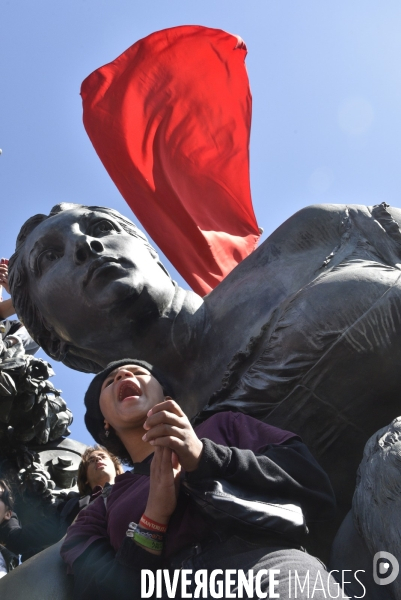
170,120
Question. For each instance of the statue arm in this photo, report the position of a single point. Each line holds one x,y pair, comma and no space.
32,537
101,574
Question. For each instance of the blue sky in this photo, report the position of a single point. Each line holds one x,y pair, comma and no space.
326,85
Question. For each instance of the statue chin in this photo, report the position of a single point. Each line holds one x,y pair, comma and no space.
111,289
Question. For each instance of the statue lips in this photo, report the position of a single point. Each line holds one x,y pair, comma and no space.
128,389
98,264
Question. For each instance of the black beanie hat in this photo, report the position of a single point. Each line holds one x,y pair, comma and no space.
94,420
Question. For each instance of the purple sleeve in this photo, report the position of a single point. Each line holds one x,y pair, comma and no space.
245,451
242,431
89,526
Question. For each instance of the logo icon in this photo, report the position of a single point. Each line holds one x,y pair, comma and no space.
385,568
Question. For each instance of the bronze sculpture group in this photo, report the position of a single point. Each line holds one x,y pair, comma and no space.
304,333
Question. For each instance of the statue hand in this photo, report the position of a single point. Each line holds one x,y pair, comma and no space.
167,425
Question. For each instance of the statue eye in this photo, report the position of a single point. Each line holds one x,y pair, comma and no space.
48,256
103,227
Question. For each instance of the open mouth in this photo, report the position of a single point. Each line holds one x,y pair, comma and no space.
128,389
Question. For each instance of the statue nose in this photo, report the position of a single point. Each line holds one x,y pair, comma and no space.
84,249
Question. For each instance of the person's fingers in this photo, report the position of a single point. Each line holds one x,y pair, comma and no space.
166,465
175,444
165,416
162,498
156,461
177,478
162,461
163,429
168,405
175,462
161,466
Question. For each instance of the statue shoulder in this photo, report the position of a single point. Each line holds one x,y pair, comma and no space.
333,212
316,214
312,226
395,213
321,225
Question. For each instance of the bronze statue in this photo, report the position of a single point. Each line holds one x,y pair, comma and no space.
305,332
40,464
371,530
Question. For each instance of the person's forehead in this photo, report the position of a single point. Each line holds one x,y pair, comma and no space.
103,454
97,452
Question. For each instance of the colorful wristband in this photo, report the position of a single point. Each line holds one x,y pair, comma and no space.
131,529
150,524
153,535
146,538
147,542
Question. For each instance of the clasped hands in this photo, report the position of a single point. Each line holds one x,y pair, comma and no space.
176,446
168,426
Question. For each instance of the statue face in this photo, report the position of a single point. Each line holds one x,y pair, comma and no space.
82,266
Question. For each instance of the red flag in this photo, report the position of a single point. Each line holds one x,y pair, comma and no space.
170,120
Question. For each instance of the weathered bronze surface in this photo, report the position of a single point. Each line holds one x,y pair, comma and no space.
304,333
40,464
373,524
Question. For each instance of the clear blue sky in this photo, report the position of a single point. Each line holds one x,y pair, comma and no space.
326,84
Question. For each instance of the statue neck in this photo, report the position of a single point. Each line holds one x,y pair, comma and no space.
167,340
186,316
